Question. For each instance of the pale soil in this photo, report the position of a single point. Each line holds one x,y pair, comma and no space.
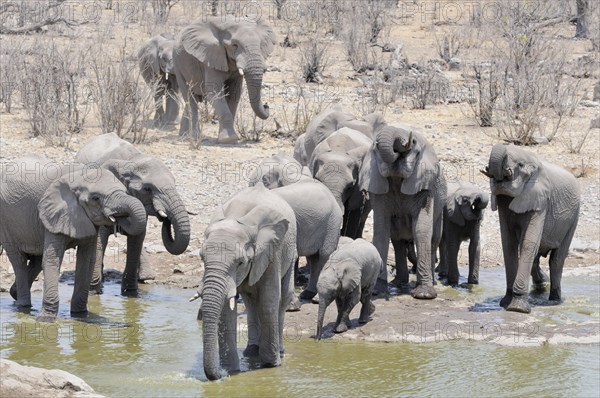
207,176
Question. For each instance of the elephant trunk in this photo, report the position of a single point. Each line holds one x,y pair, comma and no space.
176,242
390,144
129,213
323,304
496,161
213,300
253,73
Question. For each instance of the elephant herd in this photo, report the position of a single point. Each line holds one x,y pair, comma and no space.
314,204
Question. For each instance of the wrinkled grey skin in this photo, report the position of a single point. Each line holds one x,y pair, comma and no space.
47,208
149,180
300,150
337,162
318,220
348,277
155,59
333,119
249,248
277,171
538,207
209,55
463,213
407,191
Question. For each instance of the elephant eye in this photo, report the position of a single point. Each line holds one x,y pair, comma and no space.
96,198
147,189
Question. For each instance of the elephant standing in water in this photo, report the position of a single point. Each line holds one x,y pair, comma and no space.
149,180
538,207
408,192
55,208
250,248
213,56
155,59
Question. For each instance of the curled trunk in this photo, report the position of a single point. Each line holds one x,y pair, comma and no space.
496,160
176,240
134,220
387,141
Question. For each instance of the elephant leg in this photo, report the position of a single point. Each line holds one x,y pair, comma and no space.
436,238
381,239
20,290
442,268
172,103
227,133
86,258
339,303
159,113
510,249
348,304
422,235
288,297
351,223
233,90
474,256
529,247
452,247
228,339
54,250
400,246
252,349
269,326
367,308
145,272
314,265
189,120
129,282
96,283
538,276
557,261
412,256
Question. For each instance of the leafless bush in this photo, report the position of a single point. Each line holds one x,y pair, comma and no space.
487,91
575,144
376,95
313,60
249,126
448,44
10,61
124,102
162,8
51,90
301,104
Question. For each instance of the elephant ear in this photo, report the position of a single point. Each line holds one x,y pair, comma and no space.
453,203
201,41
350,277
268,38
536,191
148,58
270,228
425,173
369,178
315,162
61,213
124,171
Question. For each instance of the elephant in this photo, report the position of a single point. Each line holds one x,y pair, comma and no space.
319,220
155,59
47,208
278,171
300,150
407,190
462,217
348,277
249,248
333,119
149,180
538,206
212,57
337,162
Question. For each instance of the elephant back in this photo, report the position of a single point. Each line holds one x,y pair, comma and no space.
104,147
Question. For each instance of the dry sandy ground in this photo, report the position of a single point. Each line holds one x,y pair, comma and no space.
207,176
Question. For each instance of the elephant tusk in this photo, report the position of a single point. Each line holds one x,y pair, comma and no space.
115,230
162,214
167,75
232,303
195,297
241,71
485,173
112,219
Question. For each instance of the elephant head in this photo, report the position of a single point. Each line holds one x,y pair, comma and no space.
237,249
514,172
465,203
155,57
278,171
233,45
402,152
149,180
79,201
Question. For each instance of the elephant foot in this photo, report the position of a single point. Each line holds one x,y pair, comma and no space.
129,292
307,295
424,292
519,304
398,282
46,317
271,364
79,314
381,288
251,351
227,137
554,295
294,305
340,328
453,282
473,281
315,300
96,289
413,269
506,299
13,291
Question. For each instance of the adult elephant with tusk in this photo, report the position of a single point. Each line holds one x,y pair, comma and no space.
55,208
212,59
149,180
249,248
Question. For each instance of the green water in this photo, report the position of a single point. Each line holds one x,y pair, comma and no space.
151,347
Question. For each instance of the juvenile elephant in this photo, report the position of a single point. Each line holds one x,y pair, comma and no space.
46,209
149,180
300,150
278,171
407,191
538,207
348,277
463,213
249,248
212,58
337,162
333,119
155,59
318,220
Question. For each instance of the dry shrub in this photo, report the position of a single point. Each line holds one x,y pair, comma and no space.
313,59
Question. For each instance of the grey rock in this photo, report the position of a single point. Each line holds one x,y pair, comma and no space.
454,63
589,104
596,96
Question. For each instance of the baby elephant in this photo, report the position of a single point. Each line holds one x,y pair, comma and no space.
463,213
348,276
